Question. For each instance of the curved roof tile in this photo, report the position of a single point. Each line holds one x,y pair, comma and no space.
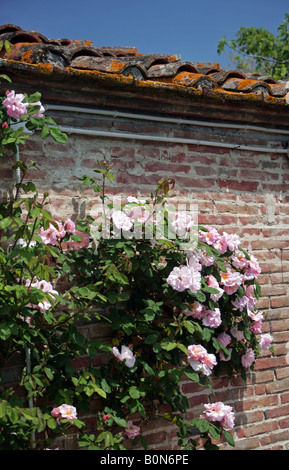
32,48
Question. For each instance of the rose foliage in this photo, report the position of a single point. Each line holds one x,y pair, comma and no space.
180,305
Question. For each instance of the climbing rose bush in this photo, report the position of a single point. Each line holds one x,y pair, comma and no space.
180,305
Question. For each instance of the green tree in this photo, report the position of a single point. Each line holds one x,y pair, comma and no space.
258,50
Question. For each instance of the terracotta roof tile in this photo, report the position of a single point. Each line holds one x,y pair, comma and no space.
32,48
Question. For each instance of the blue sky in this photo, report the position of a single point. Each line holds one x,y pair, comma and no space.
186,27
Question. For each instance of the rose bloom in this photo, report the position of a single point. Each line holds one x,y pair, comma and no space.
140,214
79,244
239,335
200,360
131,430
14,104
48,236
210,237
121,220
265,341
255,315
232,240
248,358
196,310
223,357
257,326
212,318
231,280
239,260
64,412
69,226
212,282
204,258
184,277
125,355
182,223
253,269
45,287
221,413
224,339
41,110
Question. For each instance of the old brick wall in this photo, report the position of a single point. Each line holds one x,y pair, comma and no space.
237,191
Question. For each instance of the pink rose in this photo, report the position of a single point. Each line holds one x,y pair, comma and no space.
224,339
79,244
239,335
131,430
125,355
253,269
52,234
204,258
265,341
196,310
69,226
182,223
14,104
212,282
121,220
184,277
248,358
221,413
210,237
239,260
200,360
212,318
231,280
48,236
64,412
41,110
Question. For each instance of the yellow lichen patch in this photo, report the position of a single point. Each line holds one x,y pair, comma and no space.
116,66
174,57
246,84
186,78
27,57
84,43
45,68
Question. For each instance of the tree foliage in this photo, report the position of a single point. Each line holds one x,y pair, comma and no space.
259,50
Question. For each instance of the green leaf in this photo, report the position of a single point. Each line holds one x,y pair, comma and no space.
58,136
27,413
189,326
34,97
119,421
191,374
151,339
168,345
229,438
134,392
51,423
5,76
3,406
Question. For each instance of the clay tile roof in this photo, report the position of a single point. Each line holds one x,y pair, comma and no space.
33,49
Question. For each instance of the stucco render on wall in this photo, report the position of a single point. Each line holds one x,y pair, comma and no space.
235,167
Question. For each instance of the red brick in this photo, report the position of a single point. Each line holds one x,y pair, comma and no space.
251,186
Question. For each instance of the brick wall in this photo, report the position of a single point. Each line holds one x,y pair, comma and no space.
236,190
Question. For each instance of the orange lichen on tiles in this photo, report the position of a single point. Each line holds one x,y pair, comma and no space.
116,66
27,57
188,78
45,68
245,84
84,43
